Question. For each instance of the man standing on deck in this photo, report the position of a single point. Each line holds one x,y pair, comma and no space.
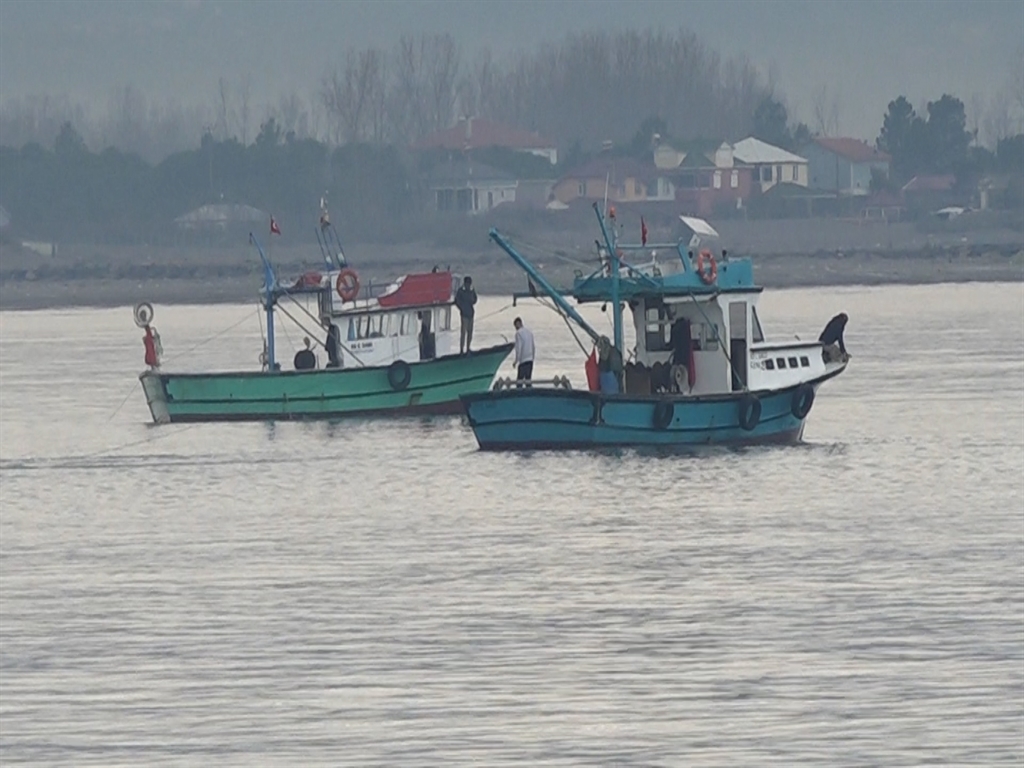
524,351
465,298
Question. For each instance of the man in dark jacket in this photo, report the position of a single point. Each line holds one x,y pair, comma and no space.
833,333
465,298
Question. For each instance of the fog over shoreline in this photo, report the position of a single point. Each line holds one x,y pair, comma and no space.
854,57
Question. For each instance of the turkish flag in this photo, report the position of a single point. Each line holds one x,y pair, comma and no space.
274,229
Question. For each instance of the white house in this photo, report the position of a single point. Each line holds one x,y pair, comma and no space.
470,187
771,164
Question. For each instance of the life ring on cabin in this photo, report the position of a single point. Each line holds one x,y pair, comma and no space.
399,375
750,412
143,314
347,284
803,399
664,410
707,267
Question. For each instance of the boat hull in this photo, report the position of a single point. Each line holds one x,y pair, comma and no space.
434,387
554,419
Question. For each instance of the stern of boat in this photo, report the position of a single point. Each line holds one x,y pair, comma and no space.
156,396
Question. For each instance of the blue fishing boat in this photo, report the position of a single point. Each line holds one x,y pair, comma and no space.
702,371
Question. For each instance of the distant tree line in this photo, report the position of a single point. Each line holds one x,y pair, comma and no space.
588,88
73,194
941,143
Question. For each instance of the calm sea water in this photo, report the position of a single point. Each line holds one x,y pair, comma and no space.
370,593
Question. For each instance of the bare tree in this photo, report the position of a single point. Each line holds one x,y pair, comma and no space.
826,111
353,95
38,118
244,98
126,120
222,110
977,114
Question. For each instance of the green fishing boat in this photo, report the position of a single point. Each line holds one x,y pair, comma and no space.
399,355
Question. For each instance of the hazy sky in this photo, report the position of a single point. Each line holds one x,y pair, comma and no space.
867,51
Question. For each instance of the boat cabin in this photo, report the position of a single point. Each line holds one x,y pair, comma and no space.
697,330
409,319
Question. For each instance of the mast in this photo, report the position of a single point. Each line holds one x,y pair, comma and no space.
613,256
269,299
545,286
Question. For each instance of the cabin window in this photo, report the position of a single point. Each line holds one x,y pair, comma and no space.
708,337
804,362
718,180
636,189
769,364
758,334
444,319
657,331
781,362
324,300
792,362
766,173
734,179
376,326
582,189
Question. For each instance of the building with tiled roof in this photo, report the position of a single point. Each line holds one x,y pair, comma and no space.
479,133
843,165
772,165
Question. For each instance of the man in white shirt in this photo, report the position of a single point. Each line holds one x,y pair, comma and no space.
524,351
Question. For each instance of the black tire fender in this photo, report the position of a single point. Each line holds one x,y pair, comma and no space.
750,412
803,399
399,375
664,410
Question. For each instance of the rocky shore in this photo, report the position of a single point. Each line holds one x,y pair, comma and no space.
785,254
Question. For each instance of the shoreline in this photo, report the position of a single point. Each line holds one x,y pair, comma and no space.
772,273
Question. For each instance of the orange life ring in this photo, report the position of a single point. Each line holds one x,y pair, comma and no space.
347,284
707,267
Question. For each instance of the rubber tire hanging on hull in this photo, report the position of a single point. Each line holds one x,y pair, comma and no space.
664,410
750,412
803,399
399,375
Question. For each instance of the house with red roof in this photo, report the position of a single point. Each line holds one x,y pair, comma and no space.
930,191
622,179
479,133
843,165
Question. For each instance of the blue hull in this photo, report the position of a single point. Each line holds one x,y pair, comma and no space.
545,418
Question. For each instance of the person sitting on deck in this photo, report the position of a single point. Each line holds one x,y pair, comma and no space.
609,366
833,333
682,349
305,359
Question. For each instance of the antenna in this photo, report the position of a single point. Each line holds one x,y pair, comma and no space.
607,178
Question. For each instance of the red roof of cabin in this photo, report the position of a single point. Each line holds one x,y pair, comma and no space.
854,150
478,133
419,290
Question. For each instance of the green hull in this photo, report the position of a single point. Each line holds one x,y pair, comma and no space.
434,386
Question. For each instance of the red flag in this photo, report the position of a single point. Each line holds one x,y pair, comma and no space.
643,231
274,229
